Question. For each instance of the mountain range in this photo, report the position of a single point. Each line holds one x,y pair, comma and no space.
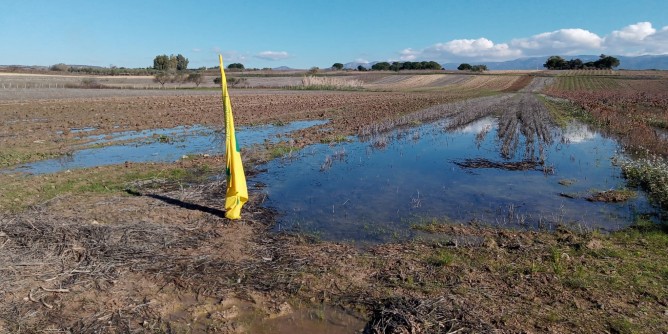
658,62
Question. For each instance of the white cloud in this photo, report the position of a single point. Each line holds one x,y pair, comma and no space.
272,55
231,56
475,48
197,50
635,39
638,39
408,54
562,41
462,49
633,33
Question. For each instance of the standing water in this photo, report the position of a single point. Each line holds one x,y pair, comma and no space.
372,190
159,145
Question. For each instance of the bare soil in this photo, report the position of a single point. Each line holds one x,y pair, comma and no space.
152,253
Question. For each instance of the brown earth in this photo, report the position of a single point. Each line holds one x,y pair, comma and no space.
43,127
153,254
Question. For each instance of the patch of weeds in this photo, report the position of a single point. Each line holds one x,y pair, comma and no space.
579,279
621,325
11,158
557,265
650,174
612,195
567,182
564,111
658,123
430,225
280,150
441,259
335,139
19,192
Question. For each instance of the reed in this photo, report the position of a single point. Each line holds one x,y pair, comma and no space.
330,83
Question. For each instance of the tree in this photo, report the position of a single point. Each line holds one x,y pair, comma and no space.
555,63
235,66
235,82
465,67
313,70
361,68
382,66
575,64
607,62
59,67
231,81
181,62
396,66
162,77
161,63
178,77
170,63
195,78
479,68
337,66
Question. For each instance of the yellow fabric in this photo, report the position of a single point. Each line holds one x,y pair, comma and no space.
237,191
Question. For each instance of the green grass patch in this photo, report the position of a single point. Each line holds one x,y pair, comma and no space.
564,112
335,139
20,191
280,150
11,158
442,258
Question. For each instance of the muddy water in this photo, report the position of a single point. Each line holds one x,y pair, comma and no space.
325,320
377,189
159,145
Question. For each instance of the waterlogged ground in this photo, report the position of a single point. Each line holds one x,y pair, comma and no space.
79,253
378,188
161,145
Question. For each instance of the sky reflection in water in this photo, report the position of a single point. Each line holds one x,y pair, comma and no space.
372,193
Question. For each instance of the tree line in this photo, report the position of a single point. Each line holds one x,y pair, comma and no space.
408,65
558,63
472,68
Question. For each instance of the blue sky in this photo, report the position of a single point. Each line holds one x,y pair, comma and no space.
303,33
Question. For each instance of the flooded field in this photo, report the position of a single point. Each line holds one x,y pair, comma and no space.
145,246
161,145
492,170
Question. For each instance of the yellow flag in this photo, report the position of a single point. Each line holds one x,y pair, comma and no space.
237,191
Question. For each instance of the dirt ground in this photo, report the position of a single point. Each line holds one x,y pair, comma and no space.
145,248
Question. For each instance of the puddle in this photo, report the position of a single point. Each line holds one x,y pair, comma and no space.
375,190
161,145
326,320
661,133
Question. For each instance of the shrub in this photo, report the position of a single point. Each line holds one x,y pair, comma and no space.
59,67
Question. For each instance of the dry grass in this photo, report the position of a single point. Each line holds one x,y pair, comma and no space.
331,83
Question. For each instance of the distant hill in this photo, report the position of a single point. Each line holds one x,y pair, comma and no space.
283,68
353,65
659,62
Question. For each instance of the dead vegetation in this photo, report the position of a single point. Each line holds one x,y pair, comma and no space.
160,258
503,165
165,257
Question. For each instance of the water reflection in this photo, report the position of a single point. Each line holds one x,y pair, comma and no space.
159,145
379,187
577,133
